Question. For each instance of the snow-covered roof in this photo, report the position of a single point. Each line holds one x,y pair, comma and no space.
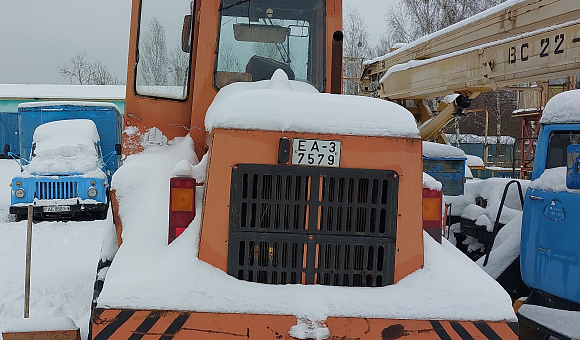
96,92
437,150
51,104
65,146
475,139
280,104
562,108
140,276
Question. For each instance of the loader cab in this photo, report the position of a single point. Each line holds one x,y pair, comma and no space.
183,52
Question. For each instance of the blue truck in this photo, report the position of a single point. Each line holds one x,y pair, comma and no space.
69,151
550,238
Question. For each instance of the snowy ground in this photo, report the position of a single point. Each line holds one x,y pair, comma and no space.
64,260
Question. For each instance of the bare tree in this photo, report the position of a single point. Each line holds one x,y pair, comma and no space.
412,19
80,69
356,49
153,60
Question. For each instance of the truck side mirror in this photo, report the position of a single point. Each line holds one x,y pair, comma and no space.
186,33
118,149
573,167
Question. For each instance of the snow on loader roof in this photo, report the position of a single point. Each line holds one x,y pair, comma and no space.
280,104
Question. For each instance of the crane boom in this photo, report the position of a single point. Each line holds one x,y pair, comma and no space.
515,42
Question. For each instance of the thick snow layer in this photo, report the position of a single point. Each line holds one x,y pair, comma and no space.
561,321
491,190
147,273
64,147
474,161
40,324
431,183
438,150
562,108
506,248
104,92
553,180
64,260
475,139
283,105
69,103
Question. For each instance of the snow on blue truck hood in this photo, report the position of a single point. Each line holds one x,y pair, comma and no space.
65,147
280,104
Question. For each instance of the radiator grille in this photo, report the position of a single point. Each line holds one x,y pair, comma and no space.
47,190
307,225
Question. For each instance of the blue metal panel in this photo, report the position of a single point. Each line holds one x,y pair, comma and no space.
449,171
550,255
9,131
108,120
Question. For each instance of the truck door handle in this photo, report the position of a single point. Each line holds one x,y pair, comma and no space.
537,198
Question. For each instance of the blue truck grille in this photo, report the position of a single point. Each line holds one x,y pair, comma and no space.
48,190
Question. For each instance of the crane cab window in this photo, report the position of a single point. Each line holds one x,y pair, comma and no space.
162,62
259,36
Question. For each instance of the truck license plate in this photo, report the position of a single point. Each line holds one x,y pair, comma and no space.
316,152
56,208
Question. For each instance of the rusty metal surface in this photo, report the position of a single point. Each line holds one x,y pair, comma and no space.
43,335
143,324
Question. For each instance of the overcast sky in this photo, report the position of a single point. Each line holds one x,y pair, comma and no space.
36,36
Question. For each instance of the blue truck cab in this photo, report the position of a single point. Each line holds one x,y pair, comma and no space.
69,153
550,239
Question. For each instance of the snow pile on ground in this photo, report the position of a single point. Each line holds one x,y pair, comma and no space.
40,324
280,104
65,147
562,108
506,248
553,180
64,260
507,244
147,273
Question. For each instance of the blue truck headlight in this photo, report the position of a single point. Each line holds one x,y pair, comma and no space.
92,192
19,193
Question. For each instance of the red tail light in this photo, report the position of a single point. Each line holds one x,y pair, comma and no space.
181,205
432,213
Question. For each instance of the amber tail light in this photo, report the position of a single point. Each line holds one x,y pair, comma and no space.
432,213
181,205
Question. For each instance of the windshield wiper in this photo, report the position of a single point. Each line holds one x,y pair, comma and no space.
233,5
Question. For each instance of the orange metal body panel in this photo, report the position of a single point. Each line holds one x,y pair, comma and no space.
123,324
177,118
231,147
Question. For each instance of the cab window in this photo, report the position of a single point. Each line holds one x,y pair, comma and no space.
162,62
259,36
558,145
